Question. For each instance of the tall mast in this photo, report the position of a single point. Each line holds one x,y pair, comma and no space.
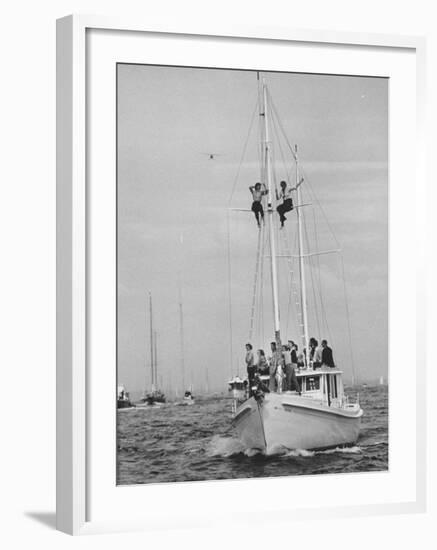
152,362
181,317
181,328
155,353
303,299
270,213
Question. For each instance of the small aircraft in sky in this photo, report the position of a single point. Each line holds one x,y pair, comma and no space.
212,156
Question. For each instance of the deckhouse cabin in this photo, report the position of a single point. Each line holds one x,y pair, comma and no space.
324,385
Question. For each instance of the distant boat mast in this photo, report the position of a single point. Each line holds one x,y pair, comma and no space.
152,358
181,329
181,324
155,353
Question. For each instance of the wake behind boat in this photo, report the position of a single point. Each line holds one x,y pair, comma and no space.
318,414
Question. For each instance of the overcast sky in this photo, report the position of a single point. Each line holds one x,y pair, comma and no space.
167,118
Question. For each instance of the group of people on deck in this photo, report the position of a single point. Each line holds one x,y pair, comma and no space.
281,366
283,196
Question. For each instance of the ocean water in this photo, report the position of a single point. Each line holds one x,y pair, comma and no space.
192,443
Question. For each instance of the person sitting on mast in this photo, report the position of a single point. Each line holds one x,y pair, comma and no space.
287,201
258,191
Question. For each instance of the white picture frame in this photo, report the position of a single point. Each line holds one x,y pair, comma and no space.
73,337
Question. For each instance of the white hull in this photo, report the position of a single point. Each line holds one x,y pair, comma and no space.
291,421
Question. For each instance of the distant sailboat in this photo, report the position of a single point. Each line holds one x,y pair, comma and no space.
188,398
155,395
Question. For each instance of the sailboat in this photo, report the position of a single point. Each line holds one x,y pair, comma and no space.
188,398
320,415
155,395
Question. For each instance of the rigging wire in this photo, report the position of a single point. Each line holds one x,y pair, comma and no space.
314,197
348,320
230,292
276,121
255,283
281,126
288,173
237,176
258,291
229,236
310,265
261,306
293,292
343,276
311,270
320,289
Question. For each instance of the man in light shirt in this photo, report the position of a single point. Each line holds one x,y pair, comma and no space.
317,359
287,202
258,191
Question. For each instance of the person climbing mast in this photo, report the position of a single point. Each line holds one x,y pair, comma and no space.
287,201
258,190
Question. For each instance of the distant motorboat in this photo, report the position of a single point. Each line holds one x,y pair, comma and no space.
123,400
153,397
188,398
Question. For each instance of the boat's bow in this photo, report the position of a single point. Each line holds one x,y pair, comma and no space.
248,421
288,420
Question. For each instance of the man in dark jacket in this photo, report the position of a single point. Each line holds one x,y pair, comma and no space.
327,358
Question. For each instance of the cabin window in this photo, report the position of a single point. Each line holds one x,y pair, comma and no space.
312,383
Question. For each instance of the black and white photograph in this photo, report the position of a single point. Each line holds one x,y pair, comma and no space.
252,274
